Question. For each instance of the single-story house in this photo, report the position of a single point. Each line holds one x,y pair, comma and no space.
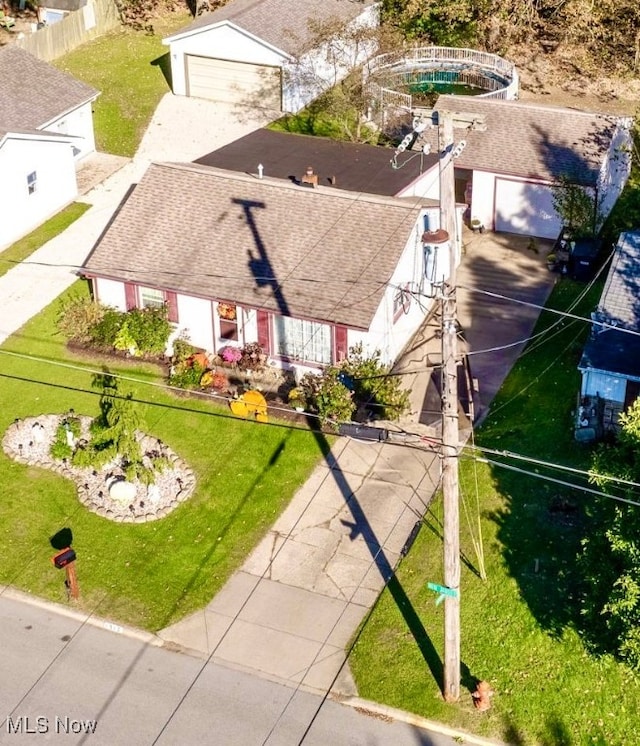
305,269
610,362
267,53
507,169
46,127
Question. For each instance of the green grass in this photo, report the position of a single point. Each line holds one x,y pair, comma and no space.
521,628
130,69
150,574
22,249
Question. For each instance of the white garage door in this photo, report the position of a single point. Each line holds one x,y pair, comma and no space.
234,82
525,208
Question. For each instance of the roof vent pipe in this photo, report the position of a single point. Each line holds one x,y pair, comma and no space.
260,170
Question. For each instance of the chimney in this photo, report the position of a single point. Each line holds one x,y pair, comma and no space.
309,177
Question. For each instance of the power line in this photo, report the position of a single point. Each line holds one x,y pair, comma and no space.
554,480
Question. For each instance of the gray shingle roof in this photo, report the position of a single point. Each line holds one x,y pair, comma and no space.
533,141
282,23
310,253
354,166
32,92
612,350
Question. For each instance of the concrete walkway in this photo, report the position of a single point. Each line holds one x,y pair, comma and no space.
300,596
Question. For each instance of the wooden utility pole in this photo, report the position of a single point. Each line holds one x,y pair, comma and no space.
450,433
447,120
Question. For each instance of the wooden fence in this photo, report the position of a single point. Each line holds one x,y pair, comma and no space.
94,19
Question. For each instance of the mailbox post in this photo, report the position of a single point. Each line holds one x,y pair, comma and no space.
66,559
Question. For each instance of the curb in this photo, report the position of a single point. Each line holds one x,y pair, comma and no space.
390,713
84,618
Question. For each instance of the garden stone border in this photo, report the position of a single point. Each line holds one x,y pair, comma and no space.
28,441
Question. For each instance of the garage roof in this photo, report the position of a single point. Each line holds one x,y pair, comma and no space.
533,141
613,350
282,23
33,93
315,253
351,166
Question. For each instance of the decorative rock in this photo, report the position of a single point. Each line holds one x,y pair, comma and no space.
122,491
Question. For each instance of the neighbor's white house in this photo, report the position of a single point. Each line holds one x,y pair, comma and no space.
266,53
46,128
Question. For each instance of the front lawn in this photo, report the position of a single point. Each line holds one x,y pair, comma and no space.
130,69
521,628
148,574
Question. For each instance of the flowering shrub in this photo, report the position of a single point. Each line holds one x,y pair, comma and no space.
231,355
327,396
252,357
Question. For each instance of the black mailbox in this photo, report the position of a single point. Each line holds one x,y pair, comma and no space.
63,558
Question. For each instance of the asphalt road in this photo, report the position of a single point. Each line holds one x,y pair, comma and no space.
67,682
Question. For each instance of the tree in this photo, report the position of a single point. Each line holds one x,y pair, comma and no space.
611,551
334,76
576,206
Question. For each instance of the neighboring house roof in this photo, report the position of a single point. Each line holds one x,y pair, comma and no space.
284,24
33,135
352,166
530,140
314,253
611,350
34,93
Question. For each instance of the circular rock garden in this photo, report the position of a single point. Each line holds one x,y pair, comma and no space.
105,491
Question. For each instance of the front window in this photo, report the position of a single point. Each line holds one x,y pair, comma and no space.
151,298
306,341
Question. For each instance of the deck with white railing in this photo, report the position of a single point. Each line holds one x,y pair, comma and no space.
388,74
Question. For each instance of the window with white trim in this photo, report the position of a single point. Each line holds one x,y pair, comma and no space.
32,181
151,298
306,341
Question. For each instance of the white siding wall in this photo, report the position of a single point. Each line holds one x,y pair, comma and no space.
385,334
52,162
482,199
110,293
78,123
615,170
317,71
426,185
605,385
223,42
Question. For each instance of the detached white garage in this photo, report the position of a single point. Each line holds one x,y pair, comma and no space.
261,53
520,150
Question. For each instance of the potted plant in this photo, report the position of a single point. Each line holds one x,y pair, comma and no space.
552,261
476,225
297,399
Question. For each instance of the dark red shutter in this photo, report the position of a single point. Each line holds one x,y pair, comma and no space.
130,296
340,343
172,306
263,331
